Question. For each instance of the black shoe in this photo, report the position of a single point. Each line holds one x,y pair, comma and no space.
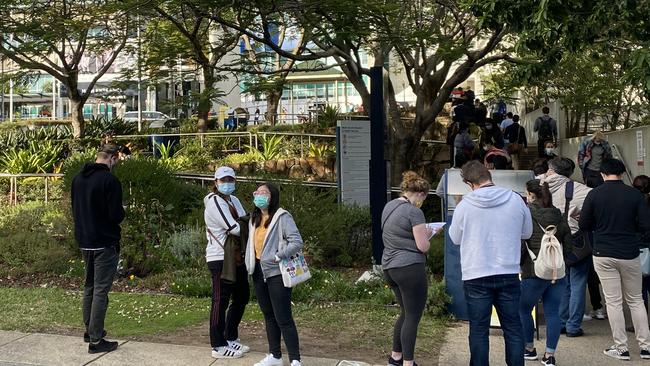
530,355
645,354
87,337
563,330
630,329
577,333
394,362
102,346
548,361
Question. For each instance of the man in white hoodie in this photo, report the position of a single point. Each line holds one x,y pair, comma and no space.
489,224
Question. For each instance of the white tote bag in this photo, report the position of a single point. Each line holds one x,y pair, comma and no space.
294,269
644,257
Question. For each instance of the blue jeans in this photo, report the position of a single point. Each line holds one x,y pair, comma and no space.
481,294
533,289
572,306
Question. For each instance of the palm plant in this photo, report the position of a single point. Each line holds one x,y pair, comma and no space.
271,147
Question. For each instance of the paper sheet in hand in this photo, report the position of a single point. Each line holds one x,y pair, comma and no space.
436,226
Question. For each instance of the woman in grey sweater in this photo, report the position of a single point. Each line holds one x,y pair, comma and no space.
269,226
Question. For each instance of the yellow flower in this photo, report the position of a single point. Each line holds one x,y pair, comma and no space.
132,277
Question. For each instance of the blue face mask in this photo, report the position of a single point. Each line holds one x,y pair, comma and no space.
261,201
226,188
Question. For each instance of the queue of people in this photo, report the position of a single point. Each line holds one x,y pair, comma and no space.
560,226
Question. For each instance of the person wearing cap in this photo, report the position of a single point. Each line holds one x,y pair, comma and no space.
229,298
97,209
591,154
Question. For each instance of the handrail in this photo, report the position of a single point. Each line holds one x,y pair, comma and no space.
619,156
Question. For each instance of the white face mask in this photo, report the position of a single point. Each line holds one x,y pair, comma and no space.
550,151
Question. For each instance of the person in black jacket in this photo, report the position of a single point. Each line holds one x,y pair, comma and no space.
515,134
642,183
97,209
544,214
616,213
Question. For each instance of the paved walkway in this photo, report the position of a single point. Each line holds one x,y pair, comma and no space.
585,350
51,350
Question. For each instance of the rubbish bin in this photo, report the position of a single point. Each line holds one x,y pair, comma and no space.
167,142
229,123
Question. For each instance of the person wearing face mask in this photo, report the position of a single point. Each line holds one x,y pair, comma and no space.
268,226
230,290
549,150
406,241
96,197
591,154
489,225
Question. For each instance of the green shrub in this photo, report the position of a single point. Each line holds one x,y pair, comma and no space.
188,245
98,126
272,146
334,235
192,157
436,255
35,237
438,300
36,157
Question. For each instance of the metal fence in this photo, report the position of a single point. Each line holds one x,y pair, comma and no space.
243,138
13,184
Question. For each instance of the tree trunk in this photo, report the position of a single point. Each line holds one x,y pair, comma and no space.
586,127
205,98
77,114
272,104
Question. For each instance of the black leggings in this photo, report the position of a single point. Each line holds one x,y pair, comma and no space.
275,302
593,284
224,326
410,287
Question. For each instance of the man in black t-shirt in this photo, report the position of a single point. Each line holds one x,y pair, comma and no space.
616,214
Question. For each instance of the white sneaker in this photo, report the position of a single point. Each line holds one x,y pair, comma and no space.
269,360
586,318
226,352
598,314
237,346
617,353
295,363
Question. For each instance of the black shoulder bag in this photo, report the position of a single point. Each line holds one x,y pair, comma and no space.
581,242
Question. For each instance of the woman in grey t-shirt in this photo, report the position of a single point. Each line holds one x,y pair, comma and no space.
406,239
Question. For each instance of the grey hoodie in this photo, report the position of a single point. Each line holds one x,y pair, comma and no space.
489,224
281,225
557,186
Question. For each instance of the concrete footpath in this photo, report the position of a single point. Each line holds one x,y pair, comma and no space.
585,350
52,350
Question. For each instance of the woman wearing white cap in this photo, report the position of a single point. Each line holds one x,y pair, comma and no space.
222,211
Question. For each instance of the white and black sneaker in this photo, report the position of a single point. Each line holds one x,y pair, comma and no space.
645,354
269,360
617,353
237,346
226,352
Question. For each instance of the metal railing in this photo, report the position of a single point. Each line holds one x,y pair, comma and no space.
251,137
13,184
202,178
617,154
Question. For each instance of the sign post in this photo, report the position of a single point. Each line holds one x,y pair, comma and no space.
378,163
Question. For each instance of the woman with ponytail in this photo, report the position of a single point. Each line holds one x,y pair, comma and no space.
544,214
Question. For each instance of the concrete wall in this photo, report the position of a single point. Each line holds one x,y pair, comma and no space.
625,148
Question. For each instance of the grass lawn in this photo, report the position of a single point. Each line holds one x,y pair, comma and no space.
356,331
